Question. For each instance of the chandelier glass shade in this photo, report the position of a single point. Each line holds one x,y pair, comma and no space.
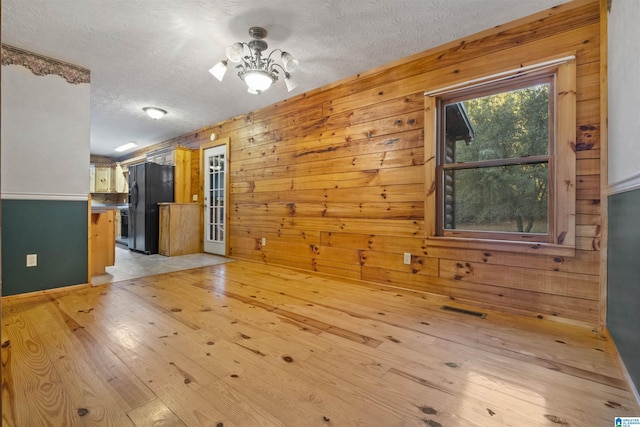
259,80
257,71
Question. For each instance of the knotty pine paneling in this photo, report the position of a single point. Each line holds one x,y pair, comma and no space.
195,172
334,179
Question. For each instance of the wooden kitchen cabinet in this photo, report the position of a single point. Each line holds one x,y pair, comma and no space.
102,241
92,178
120,184
179,229
102,179
107,178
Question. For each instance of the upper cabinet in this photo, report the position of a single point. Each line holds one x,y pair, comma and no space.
112,177
92,178
108,178
120,180
103,179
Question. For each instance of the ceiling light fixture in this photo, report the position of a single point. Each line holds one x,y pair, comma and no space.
258,72
125,147
154,113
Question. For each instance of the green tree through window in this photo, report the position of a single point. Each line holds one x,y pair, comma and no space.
496,179
500,160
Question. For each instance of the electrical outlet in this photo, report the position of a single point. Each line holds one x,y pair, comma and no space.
407,258
264,241
32,260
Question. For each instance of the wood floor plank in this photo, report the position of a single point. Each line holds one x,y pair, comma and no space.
144,353
321,316
154,414
102,357
498,344
95,403
175,386
168,371
42,397
269,379
246,344
9,403
261,296
500,338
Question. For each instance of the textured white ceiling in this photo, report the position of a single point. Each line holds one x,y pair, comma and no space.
157,52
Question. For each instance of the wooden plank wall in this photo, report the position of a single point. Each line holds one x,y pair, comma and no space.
333,179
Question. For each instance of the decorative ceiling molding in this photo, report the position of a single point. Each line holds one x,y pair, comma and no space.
41,65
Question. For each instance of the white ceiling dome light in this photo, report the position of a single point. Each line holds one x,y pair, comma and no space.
154,112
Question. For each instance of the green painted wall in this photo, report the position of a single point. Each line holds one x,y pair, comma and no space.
623,278
56,231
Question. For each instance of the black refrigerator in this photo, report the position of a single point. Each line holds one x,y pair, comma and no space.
149,184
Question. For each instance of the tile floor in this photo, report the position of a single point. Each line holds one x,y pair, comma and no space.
132,265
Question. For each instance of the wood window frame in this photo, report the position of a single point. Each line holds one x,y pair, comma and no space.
562,166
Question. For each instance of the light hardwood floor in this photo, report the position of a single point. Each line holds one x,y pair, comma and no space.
244,344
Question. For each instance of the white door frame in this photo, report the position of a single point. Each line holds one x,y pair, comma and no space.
203,200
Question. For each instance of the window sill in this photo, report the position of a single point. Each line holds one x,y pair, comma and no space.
501,246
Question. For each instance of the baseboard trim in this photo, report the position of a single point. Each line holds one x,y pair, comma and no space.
627,377
45,292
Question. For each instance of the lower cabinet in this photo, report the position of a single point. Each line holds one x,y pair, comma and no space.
103,241
179,229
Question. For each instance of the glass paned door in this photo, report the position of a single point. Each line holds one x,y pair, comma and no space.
215,199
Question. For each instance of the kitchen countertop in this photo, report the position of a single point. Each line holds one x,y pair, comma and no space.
174,203
102,207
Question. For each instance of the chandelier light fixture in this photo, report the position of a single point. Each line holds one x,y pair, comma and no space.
257,71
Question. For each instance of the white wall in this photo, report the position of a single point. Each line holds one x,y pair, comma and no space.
624,95
45,136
